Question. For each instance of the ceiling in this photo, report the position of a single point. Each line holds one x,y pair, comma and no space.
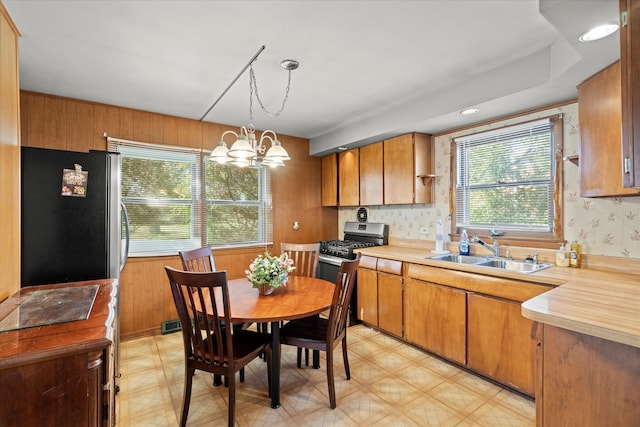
368,69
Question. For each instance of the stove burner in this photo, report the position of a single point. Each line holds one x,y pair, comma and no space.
342,248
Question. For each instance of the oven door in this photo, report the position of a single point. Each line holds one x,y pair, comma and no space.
328,267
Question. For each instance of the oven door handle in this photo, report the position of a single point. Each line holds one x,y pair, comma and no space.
330,260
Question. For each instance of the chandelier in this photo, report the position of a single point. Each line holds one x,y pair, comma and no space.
247,149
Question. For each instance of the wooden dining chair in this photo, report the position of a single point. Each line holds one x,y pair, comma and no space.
210,346
201,260
318,333
305,258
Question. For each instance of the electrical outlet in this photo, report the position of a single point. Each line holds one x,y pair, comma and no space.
424,230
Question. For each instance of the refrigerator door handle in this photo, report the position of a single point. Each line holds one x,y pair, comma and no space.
125,253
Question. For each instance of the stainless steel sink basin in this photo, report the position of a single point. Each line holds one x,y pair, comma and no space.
460,259
499,263
511,265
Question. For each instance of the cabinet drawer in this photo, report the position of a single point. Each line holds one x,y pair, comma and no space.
390,266
515,290
368,262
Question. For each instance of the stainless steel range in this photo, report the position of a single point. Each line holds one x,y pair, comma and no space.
356,235
333,252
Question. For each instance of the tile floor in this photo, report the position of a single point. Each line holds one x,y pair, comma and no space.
392,384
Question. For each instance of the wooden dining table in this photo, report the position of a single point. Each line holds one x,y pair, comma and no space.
301,297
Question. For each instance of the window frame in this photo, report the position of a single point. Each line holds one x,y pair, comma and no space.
537,239
199,203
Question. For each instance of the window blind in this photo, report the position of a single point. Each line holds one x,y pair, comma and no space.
505,178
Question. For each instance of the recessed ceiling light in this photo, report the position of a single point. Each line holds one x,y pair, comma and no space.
469,111
599,32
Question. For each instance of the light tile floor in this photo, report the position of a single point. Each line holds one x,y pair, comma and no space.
392,384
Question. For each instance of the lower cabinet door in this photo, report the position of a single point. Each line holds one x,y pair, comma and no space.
435,318
499,342
390,303
367,296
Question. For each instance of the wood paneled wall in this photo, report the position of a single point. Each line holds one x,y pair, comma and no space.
69,124
9,158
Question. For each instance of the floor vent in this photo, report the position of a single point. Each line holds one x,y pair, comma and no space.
170,326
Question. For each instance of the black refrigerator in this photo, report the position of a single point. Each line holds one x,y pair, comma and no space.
72,218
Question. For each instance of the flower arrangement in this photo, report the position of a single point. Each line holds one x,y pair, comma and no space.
269,271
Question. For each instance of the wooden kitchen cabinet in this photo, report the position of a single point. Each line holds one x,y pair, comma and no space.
367,296
9,157
59,373
499,342
585,381
630,64
600,109
473,320
348,178
435,318
408,169
371,172
390,301
330,180
380,294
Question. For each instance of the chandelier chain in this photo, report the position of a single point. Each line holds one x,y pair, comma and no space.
253,87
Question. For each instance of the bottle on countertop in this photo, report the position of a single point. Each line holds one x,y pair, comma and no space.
574,255
463,245
439,237
562,258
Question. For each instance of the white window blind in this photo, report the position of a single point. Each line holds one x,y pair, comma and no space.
505,178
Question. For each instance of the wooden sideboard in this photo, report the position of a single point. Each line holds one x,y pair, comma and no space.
60,373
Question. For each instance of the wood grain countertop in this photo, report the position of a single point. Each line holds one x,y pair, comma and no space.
47,341
598,303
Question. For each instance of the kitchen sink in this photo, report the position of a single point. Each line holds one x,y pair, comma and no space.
499,263
511,265
460,259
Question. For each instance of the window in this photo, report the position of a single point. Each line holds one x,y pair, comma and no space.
508,180
178,200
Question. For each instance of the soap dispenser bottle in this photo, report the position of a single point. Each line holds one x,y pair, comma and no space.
562,260
463,246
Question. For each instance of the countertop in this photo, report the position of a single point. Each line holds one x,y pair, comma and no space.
597,303
48,340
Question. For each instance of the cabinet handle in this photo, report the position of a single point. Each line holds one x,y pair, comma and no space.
627,165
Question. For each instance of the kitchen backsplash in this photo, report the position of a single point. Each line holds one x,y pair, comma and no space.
603,226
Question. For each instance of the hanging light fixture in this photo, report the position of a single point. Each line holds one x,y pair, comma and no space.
247,149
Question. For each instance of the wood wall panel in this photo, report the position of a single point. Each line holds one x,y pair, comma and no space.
79,126
195,134
105,120
55,123
145,302
9,158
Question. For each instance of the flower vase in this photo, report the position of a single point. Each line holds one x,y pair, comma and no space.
265,290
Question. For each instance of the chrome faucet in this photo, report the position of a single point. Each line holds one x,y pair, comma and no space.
495,250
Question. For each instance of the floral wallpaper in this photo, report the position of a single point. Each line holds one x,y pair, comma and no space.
603,226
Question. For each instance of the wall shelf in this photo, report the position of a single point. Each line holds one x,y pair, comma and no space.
426,178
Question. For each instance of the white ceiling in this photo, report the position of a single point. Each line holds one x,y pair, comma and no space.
368,69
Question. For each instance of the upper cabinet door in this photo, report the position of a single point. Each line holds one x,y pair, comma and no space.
371,174
599,109
330,180
398,170
408,169
630,62
348,178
